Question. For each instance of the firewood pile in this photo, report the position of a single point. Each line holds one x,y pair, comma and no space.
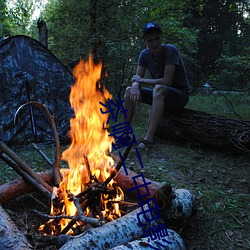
125,232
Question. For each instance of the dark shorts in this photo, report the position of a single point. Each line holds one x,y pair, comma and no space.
174,100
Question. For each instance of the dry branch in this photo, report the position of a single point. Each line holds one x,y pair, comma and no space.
25,176
23,165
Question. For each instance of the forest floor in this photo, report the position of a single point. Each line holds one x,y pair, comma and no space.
219,180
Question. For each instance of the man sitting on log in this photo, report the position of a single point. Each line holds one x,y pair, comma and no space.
169,87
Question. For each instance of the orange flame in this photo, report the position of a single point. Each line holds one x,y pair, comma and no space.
88,154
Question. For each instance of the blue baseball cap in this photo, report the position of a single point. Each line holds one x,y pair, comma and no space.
149,27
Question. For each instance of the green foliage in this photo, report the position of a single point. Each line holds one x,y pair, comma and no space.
111,30
4,20
233,72
20,16
212,36
224,31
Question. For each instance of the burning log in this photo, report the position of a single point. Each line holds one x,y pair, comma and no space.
10,237
176,209
117,232
216,132
126,182
11,190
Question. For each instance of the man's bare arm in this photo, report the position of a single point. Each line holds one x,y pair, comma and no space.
166,80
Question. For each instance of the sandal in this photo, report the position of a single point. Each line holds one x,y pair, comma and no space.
146,144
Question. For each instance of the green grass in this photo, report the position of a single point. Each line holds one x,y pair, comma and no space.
220,181
233,106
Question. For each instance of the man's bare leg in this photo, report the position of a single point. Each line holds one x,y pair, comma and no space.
156,113
129,105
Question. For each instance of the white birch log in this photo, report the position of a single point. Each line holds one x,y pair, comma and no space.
121,231
10,237
180,209
142,244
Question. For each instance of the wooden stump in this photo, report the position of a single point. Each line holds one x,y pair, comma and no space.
212,131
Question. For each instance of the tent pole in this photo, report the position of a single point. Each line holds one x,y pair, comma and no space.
33,125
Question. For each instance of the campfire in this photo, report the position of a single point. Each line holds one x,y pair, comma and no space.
87,206
83,189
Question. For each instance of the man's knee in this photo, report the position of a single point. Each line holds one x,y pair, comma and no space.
159,90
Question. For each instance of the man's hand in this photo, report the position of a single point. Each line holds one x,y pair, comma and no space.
136,78
135,93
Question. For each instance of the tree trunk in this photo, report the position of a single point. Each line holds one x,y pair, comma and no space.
212,131
10,237
43,32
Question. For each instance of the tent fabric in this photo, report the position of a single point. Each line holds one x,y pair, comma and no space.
30,72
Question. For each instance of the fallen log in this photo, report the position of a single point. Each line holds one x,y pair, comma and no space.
18,187
212,131
178,205
126,182
10,237
120,231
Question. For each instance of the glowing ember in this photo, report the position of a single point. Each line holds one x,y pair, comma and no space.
88,155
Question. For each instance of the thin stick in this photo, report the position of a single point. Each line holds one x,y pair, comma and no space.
23,165
42,154
86,162
25,176
81,209
101,189
87,220
119,164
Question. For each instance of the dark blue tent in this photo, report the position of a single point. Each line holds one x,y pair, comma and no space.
29,71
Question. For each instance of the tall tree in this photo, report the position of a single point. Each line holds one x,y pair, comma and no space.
222,30
111,30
